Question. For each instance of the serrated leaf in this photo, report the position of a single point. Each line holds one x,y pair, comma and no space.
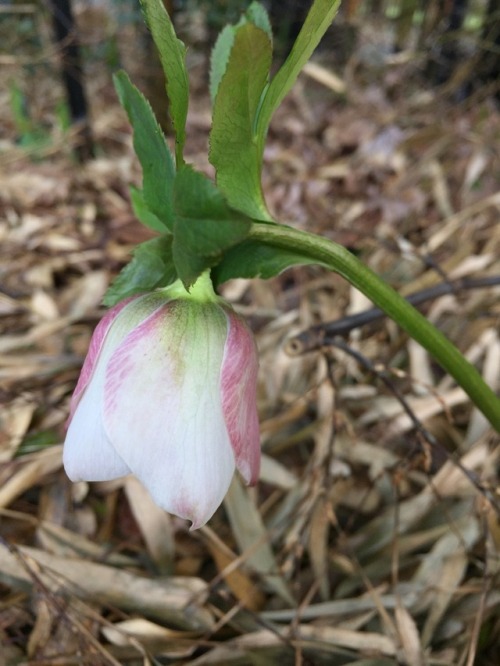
253,259
190,266
158,169
219,58
255,14
204,226
233,148
151,267
173,60
142,212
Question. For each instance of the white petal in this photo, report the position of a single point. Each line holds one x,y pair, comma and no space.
165,417
88,454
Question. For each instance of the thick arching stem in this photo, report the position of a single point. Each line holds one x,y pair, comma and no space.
336,258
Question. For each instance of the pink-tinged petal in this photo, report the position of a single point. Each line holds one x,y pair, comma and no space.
163,410
88,455
95,346
110,331
239,389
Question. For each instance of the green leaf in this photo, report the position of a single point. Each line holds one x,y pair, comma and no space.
245,101
257,14
233,148
219,58
151,267
158,169
142,212
173,60
253,259
318,20
204,227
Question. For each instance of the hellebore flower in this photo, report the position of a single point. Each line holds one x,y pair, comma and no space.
168,393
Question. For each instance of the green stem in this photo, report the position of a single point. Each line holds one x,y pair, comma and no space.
338,259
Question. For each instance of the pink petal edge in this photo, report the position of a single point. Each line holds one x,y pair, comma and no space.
95,347
238,389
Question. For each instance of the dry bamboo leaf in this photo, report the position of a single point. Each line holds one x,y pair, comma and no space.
408,543
472,265
432,277
426,407
440,188
42,628
340,608
357,640
154,523
306,636
30,471
222,656
340,169
451,545
11,342
175,600
357,622
324,76
154,637
451,575
478,423
420,368
16,367
381,152
409,637
276,474
319,530
358,302
473,354
87,294
28,189
356,495
289,415
44,306
15,420
229,566
357,451
253,539
61,541
475,167
450,481
379,532
453,223
59,243
9,306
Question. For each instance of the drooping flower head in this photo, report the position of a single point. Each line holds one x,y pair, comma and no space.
168,392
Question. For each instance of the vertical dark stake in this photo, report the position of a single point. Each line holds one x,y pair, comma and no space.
72,73
489,65
449,55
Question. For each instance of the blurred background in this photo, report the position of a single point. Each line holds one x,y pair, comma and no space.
373,535
51,47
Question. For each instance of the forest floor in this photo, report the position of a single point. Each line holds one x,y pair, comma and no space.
373,535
